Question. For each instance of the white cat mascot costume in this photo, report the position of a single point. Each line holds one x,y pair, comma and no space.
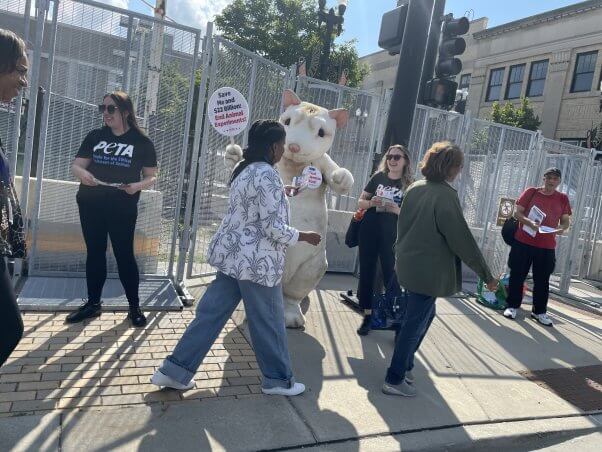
310,131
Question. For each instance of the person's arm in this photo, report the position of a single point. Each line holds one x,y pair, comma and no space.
79,170
452,225
565,223
520,210
367,200
149,179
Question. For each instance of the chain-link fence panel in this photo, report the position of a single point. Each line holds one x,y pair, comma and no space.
262,83
100,49
591,265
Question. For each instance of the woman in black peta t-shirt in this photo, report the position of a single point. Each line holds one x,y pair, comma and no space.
108,164
378,228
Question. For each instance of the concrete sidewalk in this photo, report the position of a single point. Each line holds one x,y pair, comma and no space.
480,377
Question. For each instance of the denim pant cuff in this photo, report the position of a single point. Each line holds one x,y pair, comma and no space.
176,371
393,378
269,383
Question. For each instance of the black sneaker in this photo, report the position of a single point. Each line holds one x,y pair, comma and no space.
365,328
88,310
136,316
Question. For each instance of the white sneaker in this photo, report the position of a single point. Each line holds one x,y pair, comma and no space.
296,389
403,389
510,313
164,381
409,377
544,319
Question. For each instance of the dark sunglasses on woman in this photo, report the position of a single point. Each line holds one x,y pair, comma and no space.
395,157
110,108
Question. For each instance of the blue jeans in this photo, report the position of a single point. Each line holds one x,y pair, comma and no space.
265,315
419,314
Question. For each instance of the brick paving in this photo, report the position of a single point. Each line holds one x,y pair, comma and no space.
580,386
105,362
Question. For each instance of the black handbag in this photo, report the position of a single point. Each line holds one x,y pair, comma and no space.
510,226
352,236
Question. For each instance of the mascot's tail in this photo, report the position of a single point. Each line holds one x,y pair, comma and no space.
232,156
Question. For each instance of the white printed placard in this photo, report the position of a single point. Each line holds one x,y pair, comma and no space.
228,111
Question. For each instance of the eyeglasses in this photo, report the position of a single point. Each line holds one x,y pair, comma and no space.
109,108
395,157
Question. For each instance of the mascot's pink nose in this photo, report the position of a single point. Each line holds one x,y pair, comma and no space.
294,148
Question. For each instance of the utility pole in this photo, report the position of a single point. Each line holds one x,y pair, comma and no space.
154,65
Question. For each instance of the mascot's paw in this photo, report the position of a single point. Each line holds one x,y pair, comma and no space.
293,316
232,156
342,180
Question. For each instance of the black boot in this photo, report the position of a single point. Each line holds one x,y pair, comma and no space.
88,310
136,316
364,328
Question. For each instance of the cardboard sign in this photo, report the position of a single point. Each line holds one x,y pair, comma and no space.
505,210
228,111
313,176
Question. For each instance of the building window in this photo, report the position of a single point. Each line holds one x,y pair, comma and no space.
464,81
494,89
515,81
537,78
582,142
584,72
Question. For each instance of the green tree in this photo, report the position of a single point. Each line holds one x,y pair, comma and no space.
522,116
285,31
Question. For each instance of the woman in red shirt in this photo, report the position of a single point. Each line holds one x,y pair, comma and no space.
542,213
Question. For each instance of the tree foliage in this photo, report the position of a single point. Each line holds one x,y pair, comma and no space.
522,116
286,31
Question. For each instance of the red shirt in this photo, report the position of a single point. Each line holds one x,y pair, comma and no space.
554,206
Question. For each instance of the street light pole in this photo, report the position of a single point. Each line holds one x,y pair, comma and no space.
331,19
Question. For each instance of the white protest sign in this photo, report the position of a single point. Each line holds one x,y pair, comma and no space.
228,111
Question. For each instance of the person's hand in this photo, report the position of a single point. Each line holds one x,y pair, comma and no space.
393,209
534,224
376,202
130,189
493,285
87,178
313,238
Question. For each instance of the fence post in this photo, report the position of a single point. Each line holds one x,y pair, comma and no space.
491,186
41,13
250,99
43,135
183,154
194,160
128,50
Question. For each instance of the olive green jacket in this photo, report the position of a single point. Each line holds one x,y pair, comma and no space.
432,240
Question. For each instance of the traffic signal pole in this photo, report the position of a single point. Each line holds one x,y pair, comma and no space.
409,72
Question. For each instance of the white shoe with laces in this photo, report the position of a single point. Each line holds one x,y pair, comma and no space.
510,313
543,318
409,377
296,389
165,381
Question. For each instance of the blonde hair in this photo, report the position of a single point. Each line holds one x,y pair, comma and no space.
440,159
406,174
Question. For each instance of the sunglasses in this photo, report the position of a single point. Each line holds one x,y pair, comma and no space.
109,108
395,157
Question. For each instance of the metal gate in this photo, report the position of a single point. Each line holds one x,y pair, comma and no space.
94,49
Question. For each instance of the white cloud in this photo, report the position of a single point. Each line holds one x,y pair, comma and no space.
194,13
119,3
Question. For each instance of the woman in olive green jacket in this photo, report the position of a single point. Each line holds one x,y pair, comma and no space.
432,240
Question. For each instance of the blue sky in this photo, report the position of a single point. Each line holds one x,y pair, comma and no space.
362,19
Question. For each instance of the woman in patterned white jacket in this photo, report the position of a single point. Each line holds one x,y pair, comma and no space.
248,251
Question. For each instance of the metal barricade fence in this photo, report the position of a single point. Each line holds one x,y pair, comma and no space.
94,49
262,83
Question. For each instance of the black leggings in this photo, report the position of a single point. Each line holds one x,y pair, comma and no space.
11,324
376,240
109,212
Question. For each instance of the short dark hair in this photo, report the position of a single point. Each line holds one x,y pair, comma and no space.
439,161
13,48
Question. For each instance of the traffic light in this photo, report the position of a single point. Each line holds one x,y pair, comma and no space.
440,92
391,29
451,45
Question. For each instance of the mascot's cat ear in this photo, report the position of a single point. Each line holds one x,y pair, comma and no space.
340,115
290,98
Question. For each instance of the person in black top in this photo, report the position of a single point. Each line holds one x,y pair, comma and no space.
13,78
108,164
381,199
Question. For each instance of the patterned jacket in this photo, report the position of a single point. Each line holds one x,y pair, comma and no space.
12,237
252,239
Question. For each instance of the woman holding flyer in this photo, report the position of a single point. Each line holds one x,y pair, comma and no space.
108,164
542,213
381,200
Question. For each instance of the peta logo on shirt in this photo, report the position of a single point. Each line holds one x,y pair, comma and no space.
392,193
116,149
